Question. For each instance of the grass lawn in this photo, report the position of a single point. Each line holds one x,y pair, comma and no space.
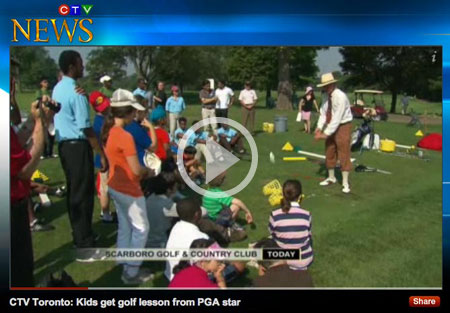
386,233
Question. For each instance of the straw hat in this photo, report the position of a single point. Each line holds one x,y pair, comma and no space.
326,79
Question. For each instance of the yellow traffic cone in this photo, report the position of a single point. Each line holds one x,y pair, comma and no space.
44,177
39,176
287,147
419,133
36,175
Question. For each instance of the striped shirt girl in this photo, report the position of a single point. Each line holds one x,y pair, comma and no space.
292,230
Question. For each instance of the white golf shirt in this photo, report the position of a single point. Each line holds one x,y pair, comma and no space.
181,237
248,96
224,97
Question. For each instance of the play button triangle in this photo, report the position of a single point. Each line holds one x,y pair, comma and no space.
219,160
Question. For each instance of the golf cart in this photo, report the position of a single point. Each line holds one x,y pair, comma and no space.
375,107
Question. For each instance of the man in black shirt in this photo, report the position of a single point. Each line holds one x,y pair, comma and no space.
160,95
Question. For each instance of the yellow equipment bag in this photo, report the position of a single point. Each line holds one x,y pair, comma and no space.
387,145
275,199
273,187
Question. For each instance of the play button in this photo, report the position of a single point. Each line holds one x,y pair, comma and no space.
218,159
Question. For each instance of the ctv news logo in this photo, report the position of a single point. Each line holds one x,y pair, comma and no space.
74,9
42,29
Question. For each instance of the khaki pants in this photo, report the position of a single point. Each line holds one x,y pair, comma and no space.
236,143
338,146
248,115
201,149
173,117
210,113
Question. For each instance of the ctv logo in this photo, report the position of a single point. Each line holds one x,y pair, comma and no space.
74,9
43,28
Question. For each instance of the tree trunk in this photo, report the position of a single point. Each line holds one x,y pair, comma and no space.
284,101
394,101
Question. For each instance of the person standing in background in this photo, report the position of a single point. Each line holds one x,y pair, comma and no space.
107,88
43,88
76,140
160,95
405,103
248,99
42,93
143,92
174,106
208,101
225,99
305,106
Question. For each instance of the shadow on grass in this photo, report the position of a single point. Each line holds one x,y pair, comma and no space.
54,261
64,255
322,171
57,209
257,132
112,278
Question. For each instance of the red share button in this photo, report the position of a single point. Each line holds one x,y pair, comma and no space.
424,302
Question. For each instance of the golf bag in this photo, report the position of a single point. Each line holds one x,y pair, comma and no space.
371,142
362,131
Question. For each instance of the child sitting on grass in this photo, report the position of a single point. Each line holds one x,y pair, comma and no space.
290,225
192,165
189,229
196,273
198,140
163,187
179,133
224,211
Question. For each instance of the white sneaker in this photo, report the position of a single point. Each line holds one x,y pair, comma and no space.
328,181
142,276
89,255
346,188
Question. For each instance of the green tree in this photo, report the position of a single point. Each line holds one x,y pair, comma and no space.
273,68
106,61
189,66
143,60
256,64
35,63
412,70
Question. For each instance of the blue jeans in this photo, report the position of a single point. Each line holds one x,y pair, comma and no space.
133,222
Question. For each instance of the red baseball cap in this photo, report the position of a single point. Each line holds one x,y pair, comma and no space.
99,101
175,88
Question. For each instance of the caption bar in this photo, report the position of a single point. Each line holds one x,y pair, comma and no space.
190,254
123,303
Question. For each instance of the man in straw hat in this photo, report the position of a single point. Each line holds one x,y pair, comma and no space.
335,127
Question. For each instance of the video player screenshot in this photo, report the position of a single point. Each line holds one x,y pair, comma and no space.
224,156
